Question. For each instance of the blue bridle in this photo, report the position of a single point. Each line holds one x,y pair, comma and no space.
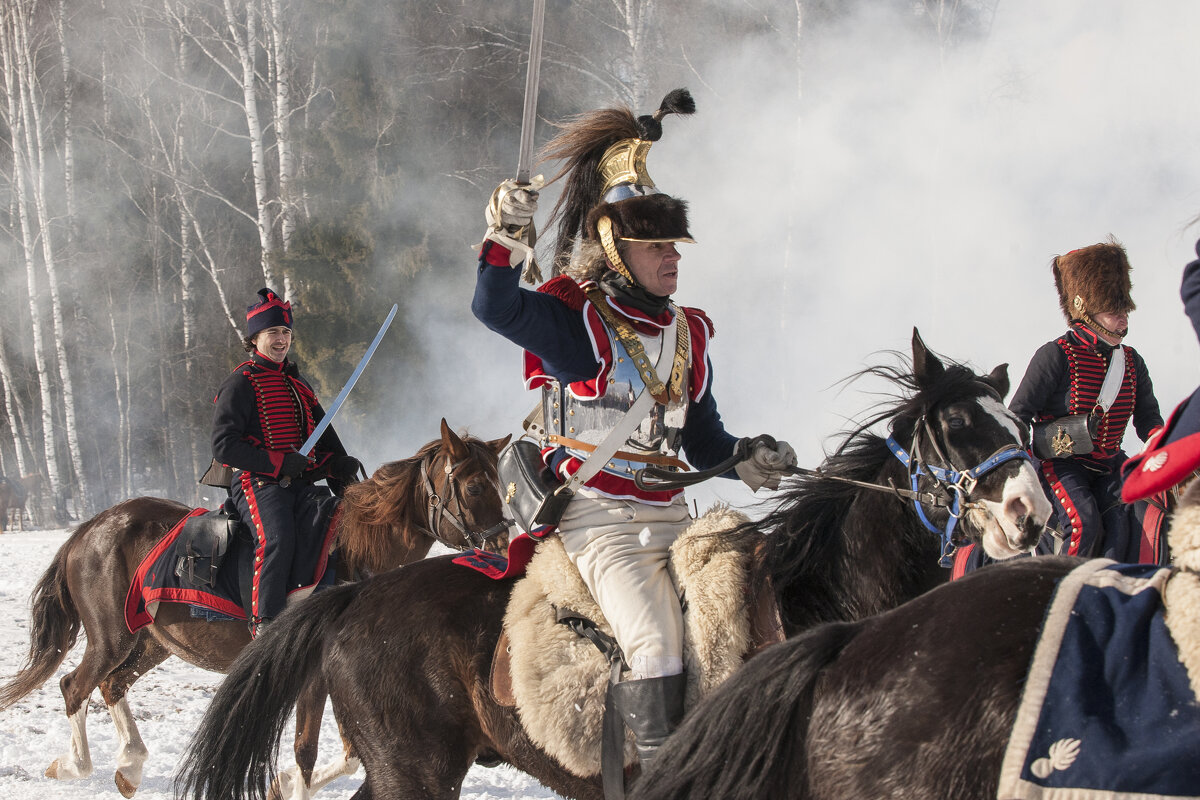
957,483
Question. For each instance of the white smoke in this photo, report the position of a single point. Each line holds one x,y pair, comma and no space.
904,185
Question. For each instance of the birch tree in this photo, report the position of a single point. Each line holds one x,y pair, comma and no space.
37,149
10,64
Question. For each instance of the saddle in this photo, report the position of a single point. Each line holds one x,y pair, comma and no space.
206,562
203,544
557,680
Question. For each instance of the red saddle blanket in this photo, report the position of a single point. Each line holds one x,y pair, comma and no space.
157,579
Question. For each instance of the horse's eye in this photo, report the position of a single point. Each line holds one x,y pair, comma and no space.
956,423
474,488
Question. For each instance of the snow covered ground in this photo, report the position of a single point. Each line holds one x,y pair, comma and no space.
167,704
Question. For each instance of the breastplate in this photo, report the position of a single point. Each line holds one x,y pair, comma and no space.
590,419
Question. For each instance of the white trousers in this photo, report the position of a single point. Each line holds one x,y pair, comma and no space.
620,547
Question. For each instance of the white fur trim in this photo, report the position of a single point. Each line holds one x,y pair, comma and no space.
559,679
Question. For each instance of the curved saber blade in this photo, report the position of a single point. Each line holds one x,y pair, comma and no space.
332,411
532,75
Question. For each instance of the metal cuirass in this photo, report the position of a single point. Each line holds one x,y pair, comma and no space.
589,420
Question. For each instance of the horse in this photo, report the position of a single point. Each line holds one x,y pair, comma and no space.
919,701
406,656
11,496
448,492
24,488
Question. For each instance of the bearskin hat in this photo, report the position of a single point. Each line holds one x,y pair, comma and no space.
1093,280
606,178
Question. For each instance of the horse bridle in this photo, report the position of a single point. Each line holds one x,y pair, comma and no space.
952,490
954,484
439,510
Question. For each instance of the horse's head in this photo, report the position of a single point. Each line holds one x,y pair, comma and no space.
448,492
463,484
975,451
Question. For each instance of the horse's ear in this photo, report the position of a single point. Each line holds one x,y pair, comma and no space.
498,444
999,378
452,442
926,366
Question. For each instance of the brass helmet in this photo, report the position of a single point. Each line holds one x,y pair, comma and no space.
608,194
1094,280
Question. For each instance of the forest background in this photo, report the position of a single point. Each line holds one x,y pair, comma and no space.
856,167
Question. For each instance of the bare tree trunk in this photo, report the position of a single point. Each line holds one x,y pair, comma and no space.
637,19
121,395
12,408
280,49
36,147
245,40
17,125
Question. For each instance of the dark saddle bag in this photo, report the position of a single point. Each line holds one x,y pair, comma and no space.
1072,435
534,496
203,544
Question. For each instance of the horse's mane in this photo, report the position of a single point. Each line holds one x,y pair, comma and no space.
805,542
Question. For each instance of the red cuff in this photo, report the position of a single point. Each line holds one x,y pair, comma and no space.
496,255
276,462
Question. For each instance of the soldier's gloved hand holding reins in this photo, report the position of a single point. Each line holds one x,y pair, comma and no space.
509,216
767,464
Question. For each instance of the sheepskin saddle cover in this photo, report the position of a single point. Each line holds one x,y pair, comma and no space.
559,678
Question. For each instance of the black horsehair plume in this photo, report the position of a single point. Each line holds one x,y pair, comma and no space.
580,144
677,101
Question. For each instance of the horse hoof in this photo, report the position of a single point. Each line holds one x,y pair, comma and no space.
126,788
52,770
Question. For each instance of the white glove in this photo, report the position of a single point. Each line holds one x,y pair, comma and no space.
517,207
509,216
766,465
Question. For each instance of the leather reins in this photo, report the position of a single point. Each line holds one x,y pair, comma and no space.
952,490
451,508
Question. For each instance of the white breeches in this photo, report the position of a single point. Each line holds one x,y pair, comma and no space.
620,547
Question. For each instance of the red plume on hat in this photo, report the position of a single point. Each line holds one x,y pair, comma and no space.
269,312
605,178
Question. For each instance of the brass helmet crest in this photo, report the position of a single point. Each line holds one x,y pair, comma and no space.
608,194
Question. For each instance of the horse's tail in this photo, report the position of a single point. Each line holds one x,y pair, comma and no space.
746,740
53,627
232,753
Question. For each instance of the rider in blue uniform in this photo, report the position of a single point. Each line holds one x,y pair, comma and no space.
595,339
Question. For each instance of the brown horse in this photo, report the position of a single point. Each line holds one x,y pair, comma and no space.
11,496
24,488
447,492
407,655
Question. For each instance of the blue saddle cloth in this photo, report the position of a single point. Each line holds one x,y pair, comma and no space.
1107,712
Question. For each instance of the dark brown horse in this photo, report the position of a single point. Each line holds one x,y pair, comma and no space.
921,701
447,492
26,488
407,655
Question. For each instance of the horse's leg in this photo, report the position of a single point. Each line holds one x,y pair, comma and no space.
77,763
109,646
295,783
301,781
100,657
348,765
132,752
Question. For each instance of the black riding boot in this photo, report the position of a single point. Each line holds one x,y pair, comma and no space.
652,708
